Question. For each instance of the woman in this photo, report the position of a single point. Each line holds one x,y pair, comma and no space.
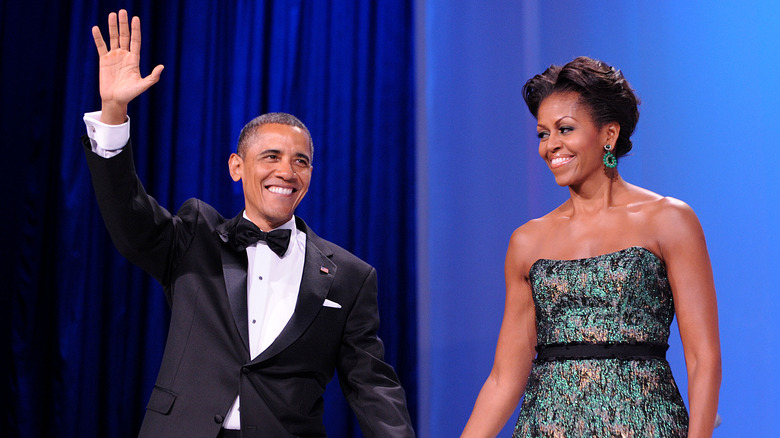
593,285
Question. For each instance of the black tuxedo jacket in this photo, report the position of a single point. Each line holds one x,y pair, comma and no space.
206,362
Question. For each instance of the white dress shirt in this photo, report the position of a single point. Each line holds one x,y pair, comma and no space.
272,291
272,282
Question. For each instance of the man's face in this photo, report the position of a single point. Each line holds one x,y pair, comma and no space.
275,173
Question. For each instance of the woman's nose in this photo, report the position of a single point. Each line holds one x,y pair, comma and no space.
554,142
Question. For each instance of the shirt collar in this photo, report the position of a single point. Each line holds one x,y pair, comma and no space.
289,225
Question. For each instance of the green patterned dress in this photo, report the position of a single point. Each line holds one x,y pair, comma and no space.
603,326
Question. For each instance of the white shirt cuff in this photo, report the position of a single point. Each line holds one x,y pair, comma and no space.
106,140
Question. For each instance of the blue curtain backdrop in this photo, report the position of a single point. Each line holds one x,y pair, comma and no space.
84,330
707,77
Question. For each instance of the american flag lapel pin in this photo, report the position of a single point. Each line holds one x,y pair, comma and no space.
324,270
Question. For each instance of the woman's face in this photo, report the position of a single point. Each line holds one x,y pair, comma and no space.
569,141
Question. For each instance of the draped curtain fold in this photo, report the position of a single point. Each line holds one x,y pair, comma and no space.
84,329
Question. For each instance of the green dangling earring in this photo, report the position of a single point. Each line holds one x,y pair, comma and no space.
609,158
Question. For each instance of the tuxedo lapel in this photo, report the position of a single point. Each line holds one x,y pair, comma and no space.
234,269
318,273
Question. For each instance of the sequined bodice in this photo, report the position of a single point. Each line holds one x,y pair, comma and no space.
620,297
617,298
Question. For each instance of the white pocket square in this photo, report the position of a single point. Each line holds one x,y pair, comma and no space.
329,303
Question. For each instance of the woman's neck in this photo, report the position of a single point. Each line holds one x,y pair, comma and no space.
596,194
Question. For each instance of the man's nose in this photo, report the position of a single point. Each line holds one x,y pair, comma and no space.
285,169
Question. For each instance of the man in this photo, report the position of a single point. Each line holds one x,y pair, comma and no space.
258,327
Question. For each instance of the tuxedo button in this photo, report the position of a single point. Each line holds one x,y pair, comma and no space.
245,370
219,419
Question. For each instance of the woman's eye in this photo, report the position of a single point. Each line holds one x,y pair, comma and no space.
543,134
565,129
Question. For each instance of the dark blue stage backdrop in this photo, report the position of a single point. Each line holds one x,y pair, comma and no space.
84,330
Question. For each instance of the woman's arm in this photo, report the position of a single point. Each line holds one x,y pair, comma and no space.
514,352
684,251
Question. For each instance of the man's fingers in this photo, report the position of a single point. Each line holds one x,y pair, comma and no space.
119,34
154,76
113,33
152,79
99,43
135,37
124,30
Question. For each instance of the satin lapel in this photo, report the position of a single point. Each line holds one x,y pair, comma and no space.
234,269
318,273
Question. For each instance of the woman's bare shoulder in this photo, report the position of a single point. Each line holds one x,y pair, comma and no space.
529,240
670,221
662,208
653,204
532,231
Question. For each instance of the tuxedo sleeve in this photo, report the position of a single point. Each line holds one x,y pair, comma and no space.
142,231
369,384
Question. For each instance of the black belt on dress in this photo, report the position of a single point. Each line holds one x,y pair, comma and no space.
584,350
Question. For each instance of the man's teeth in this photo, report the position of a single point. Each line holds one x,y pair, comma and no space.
280,190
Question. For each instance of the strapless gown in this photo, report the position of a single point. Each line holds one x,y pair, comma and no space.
613,300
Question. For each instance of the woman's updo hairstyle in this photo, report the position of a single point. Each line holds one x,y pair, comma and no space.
604,90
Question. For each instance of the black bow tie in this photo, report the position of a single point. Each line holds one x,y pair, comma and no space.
247,233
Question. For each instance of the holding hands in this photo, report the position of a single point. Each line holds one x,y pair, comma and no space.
120,74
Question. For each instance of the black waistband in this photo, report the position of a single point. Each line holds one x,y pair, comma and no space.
581,350
229,433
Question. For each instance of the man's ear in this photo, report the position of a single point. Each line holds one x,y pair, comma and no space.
236,167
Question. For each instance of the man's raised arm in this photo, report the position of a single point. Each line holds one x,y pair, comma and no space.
120,74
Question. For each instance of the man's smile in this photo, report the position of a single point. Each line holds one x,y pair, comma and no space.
281,190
